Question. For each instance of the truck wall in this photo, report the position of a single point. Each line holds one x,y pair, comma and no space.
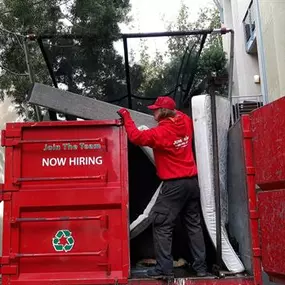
239,227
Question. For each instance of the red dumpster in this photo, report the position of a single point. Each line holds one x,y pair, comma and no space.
66,203
66,200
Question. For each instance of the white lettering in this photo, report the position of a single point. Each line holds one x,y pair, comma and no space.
86,160
68,146
52,147
72,161
90,146
45,162
53,161
99,160
82,160
181,142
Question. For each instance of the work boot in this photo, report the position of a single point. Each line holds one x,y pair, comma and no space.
201,274
155,274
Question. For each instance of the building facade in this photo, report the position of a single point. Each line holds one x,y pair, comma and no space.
259,64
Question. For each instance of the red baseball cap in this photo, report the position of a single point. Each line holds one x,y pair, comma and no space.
163,102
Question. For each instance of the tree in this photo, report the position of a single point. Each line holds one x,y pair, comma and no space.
88,65
181,75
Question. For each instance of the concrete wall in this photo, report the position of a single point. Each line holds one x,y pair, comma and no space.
246,65
272,26
270,58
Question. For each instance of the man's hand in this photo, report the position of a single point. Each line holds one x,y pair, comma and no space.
123,113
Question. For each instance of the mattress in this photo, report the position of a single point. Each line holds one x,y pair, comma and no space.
201,112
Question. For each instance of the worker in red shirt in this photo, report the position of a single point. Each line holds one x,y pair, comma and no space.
171,141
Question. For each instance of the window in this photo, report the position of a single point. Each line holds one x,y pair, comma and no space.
249,24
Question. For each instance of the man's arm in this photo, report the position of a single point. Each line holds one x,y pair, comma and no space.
151,137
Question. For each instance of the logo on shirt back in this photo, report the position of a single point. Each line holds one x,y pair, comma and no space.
181,143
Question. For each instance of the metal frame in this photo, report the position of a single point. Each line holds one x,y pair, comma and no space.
125,38
222,31
31,75
252,197
237,100
213,113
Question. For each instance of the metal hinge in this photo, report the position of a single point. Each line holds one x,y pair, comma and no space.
10,138
250,170
3,137
256,252
119,122
6,268
6,188
9,269
5,196
108,267
254,214
247,134
11,142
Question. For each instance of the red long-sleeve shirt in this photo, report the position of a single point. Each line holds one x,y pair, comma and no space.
171,142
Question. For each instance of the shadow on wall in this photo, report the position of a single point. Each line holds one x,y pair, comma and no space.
7,114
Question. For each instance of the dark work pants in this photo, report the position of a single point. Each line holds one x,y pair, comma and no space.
181,196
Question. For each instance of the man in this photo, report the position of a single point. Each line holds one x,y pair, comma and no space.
171,141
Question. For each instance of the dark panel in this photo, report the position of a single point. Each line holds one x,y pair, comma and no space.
239,232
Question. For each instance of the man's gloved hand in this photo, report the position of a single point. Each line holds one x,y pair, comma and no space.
123,113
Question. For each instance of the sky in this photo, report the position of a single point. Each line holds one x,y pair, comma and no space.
154,16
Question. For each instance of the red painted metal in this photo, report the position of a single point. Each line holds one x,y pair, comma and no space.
25,142
89,198
58,219
252,205
72,230
272,226
268,134
268,138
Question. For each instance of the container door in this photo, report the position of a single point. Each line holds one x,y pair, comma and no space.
66,204
268,133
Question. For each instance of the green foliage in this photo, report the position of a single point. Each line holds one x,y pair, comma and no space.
181,67
88,65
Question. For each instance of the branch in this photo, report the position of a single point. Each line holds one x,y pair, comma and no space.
34,4
13,72
10,32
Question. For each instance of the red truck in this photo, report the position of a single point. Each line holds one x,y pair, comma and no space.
66,202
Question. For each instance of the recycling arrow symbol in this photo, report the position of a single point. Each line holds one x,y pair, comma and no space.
63,241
